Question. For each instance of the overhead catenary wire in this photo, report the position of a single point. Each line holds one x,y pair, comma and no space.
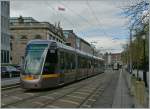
65,18
98,21
80,16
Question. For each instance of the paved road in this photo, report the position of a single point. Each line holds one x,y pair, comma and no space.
106,99
9,81
80,94
105,90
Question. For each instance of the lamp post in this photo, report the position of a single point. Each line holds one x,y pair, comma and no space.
144,66
130,56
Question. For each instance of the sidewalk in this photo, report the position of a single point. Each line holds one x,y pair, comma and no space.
122,98
10,81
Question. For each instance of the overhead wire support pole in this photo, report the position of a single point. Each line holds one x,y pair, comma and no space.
130,50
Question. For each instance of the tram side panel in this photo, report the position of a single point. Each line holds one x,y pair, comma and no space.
67,65
50,74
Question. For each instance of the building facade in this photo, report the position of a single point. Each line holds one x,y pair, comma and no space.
111,58
24,29
5,35
70,38
76,42
116,57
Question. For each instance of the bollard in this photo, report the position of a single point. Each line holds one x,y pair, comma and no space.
133,82
140,92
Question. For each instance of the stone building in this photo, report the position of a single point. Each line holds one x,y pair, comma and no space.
24,29
76,42
5,35
70,38
116,57
111,58
85,46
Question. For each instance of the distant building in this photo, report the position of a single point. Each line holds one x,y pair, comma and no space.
24,29
5,35
70,38
116,57
76,42
111,58
86,47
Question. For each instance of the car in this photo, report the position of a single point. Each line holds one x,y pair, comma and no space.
9,71
18,67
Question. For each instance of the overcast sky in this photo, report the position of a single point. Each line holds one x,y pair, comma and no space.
99,21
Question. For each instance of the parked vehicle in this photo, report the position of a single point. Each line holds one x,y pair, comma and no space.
116,66
18,67
9,71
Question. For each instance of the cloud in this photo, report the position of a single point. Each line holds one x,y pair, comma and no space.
106,43
89,19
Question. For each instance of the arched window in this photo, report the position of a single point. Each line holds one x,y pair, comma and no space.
38,37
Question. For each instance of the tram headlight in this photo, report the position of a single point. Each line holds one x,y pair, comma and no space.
30,77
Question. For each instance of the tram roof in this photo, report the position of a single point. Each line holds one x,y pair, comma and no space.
39,41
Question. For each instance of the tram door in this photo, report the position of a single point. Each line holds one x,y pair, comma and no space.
61,66
50,66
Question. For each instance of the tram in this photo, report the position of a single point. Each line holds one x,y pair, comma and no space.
48,63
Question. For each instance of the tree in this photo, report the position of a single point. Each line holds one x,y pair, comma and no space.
139,24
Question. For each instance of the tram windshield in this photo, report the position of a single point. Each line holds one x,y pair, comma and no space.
34,58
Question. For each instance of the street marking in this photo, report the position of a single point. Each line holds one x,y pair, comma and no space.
56,93
76,96
30,93
92,99
4,95
48,97
82,93
69,101
11,107
17,97
36,102
52,106
87,105
3,104
87,91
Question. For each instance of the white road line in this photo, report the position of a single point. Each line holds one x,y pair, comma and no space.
3,104
52,106
36,102
87,105
87,91
30,93
69,101
48,97
76,96
4,95
17,97
92,99
82,93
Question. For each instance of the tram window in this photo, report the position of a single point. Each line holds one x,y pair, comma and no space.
62,60
50,63
72,60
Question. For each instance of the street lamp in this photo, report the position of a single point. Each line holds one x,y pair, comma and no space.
130,56
144,66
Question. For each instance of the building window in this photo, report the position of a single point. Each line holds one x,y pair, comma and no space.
11,46
11,37
24,37
2,57
38,37
7,56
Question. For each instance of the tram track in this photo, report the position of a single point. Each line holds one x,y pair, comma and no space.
8,87
38,95
76,103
